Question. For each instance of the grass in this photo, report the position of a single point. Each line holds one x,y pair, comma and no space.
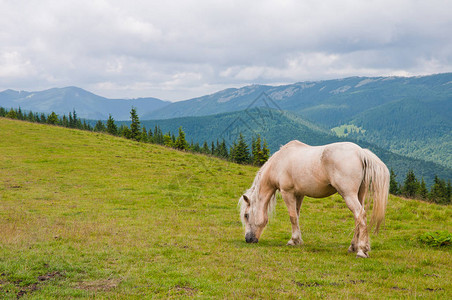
86,215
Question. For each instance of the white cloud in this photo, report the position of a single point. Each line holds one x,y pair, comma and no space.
180,49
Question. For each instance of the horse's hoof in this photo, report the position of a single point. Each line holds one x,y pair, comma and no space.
294,243
351,249
361,254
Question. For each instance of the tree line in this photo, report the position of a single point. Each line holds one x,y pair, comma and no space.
440,192
240,152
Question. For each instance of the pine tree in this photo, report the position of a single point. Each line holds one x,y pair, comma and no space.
100,127
181,143
256,151
124,131
411,185
42,118
241,152
265,154
438,192
422,191
158,135
167,141
20,115
12,114
205,148
52,119
144,135
151,136
65,121
393,185
111,126
196,148
135,125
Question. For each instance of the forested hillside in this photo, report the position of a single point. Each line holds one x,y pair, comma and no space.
410,116
278,128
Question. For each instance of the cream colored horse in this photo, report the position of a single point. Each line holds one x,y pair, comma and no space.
299,170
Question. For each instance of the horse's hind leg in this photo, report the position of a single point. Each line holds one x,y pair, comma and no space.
293,204
360,241
353,247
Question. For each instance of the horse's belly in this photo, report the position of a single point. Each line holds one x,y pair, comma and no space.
318,191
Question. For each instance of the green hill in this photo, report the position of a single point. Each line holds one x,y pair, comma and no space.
280,127
87,215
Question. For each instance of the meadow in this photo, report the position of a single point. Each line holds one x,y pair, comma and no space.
88,215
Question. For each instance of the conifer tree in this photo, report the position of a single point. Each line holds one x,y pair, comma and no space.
439,193
42,118
196,148
52,119
144,135
422,191
124,131
181,143
411,185
11,114
240,151
100,127
151,136
205,148
158,135
111,126
393,185
265,153
167,141
135,125
256,150
20,115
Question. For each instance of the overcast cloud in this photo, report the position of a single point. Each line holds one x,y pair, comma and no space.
180,49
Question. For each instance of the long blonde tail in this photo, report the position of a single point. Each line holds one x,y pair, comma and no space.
376,181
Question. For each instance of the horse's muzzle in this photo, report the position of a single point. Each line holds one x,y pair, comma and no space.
250,238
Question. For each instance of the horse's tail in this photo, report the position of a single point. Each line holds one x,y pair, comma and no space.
376,185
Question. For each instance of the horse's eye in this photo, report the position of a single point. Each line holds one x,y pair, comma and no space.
246,216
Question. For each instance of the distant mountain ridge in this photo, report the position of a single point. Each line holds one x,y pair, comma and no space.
86,104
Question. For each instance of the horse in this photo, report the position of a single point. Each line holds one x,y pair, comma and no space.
298,170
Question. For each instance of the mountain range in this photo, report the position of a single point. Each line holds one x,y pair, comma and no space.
86,104
409,116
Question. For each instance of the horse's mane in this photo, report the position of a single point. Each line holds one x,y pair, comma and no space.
255,188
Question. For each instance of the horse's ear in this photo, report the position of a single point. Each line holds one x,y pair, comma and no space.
245,198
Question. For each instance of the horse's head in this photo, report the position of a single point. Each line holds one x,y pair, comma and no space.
254,216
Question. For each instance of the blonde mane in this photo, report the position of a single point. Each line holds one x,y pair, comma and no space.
253,192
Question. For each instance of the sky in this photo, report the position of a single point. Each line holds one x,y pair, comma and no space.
180,49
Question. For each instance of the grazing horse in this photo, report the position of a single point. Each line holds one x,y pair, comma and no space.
299,170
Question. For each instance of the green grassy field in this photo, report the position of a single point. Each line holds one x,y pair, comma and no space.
93,216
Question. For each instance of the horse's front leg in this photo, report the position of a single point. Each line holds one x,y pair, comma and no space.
293,204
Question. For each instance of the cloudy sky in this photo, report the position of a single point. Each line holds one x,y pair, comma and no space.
179,49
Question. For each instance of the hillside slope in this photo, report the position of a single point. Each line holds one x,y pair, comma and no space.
87,215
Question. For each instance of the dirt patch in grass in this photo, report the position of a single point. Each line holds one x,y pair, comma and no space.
183,290
99,285
35,286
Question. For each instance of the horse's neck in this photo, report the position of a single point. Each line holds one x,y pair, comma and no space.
262,181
